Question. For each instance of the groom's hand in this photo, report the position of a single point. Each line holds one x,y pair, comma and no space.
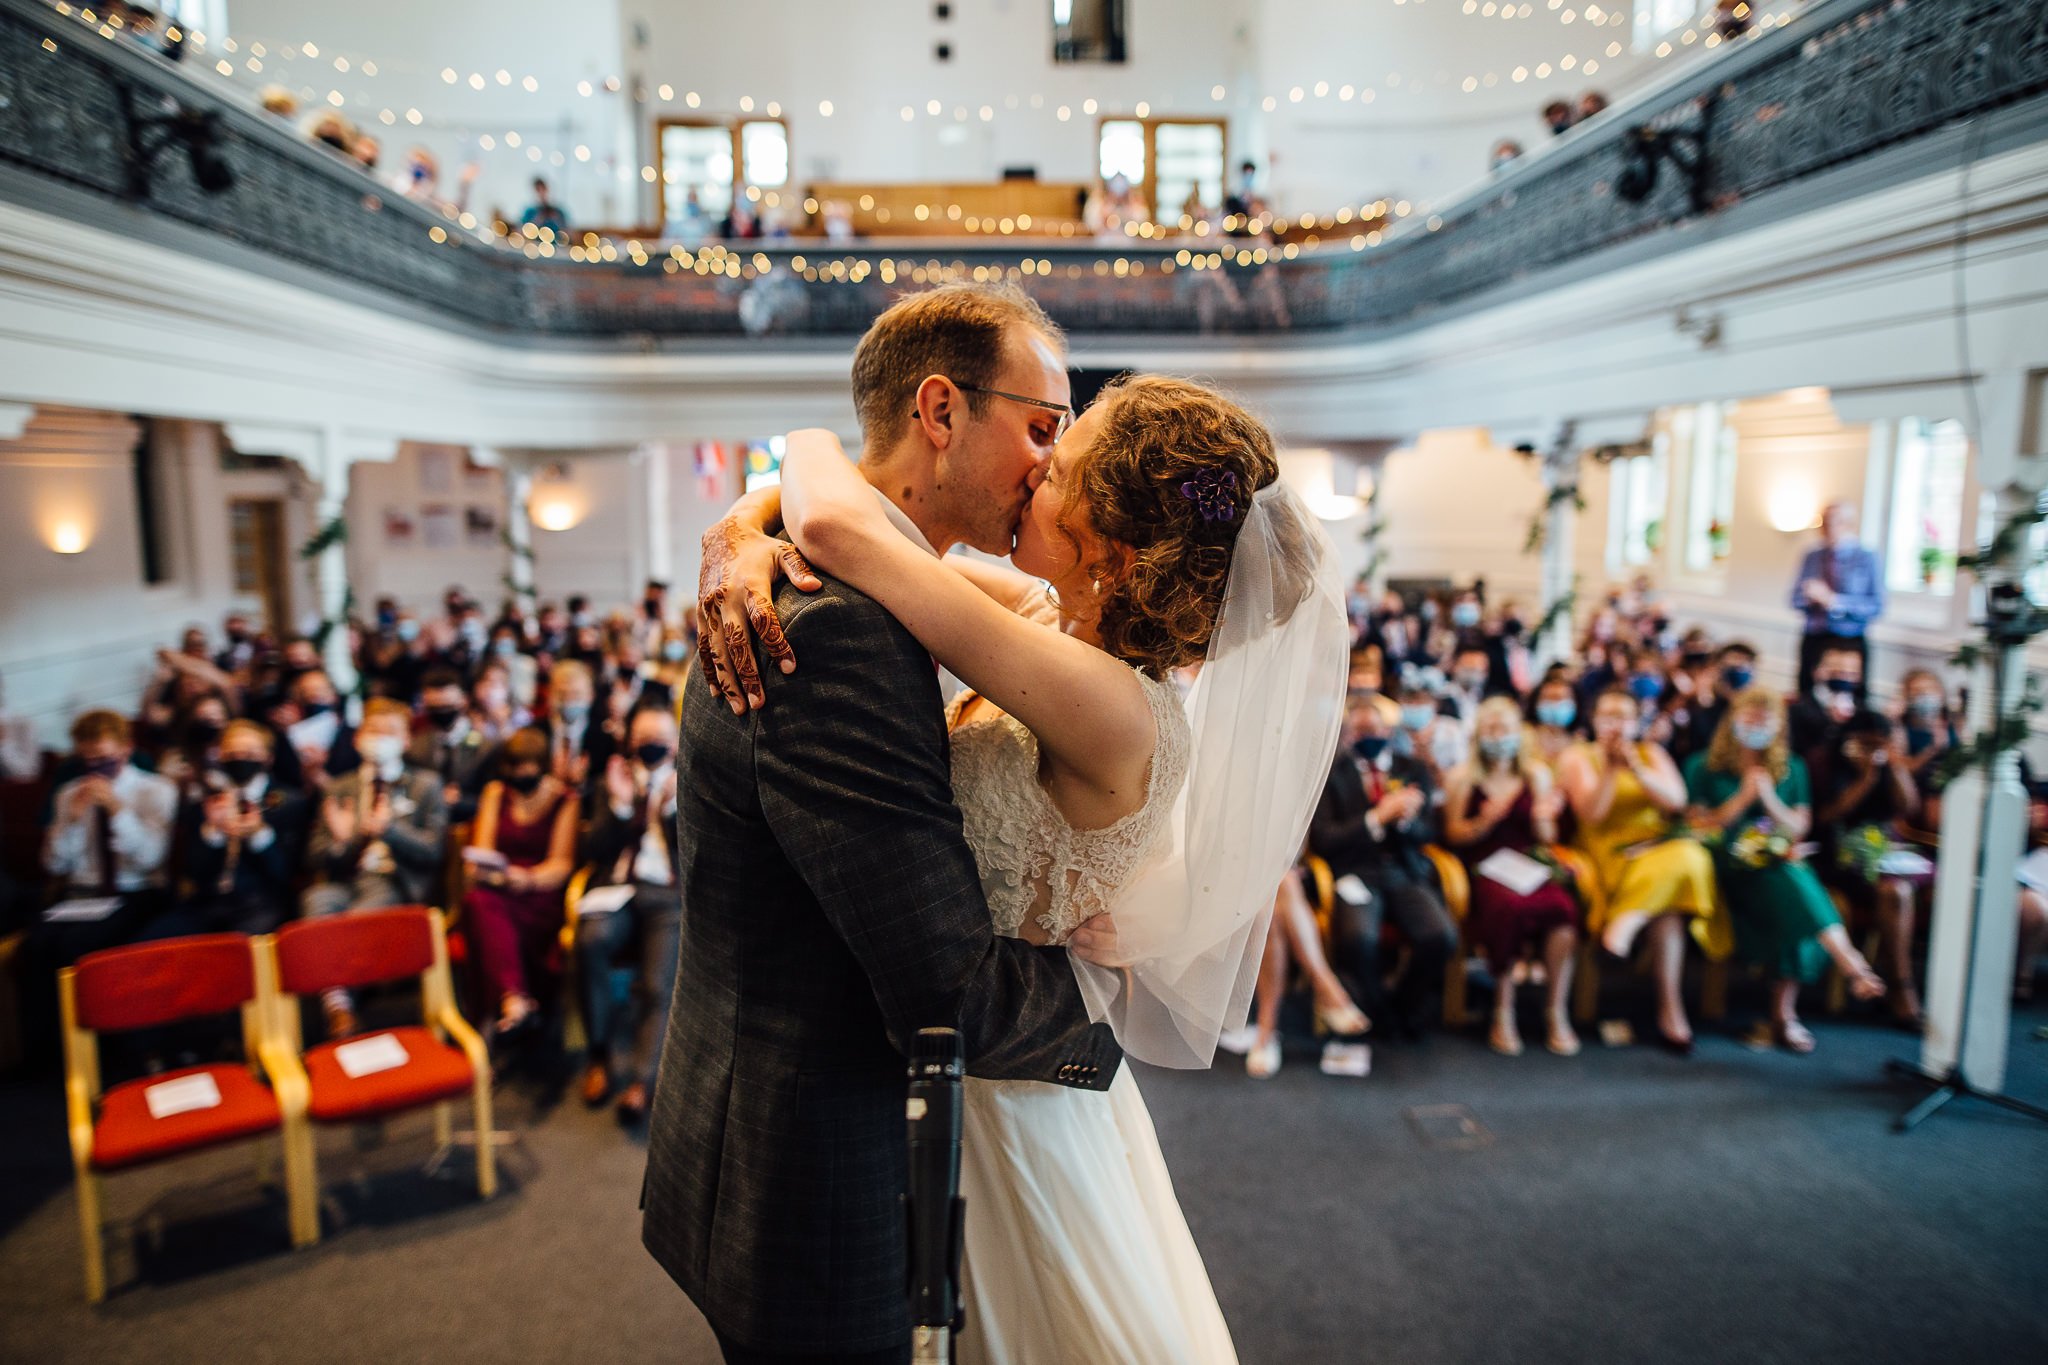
735,598
1095,940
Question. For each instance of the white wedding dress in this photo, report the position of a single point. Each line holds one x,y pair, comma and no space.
1076,1249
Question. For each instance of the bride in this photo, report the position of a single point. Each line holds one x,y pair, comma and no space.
1158,537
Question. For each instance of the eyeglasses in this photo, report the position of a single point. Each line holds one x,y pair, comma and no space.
1066,413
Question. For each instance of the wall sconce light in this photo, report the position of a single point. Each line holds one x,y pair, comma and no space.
68,537
555,513
1794,506
1313,475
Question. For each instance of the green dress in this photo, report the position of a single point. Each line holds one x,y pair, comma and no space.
1779,911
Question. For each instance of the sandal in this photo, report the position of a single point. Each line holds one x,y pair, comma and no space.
1506,1042
1793,1036
1346,1021
1563,1040
1262,1063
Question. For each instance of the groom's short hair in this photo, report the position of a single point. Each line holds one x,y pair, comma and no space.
956,330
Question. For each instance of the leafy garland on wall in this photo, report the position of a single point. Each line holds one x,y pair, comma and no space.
333,533
1560,610
520,552
1375,526
1539,524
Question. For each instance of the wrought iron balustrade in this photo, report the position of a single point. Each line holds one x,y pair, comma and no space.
1842,81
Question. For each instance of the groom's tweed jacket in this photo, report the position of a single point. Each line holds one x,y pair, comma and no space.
831,909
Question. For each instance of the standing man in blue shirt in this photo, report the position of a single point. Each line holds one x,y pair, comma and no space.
1840,591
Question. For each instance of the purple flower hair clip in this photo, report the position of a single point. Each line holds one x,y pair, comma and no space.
1214,494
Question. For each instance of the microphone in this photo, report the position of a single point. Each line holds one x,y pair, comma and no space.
935,1208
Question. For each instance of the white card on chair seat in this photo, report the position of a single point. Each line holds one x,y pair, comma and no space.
82,911
604,900
1517,871
182,1096
368,1056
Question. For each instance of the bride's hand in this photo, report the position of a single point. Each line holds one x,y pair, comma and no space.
735,599
1095,940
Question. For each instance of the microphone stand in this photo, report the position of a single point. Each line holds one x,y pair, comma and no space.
933,1204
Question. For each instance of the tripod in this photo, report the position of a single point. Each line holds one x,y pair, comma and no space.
1950,1083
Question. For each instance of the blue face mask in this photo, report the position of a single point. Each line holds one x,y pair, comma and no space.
1429,611
1500,748
1738,676
504,646
408,631
1645,686
1465,615
1925,707
1557,713
1369,747
1417,717
1841,687
1757,737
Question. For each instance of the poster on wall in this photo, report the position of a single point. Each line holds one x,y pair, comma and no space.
479,478
480,526
401,530
437,469
439,526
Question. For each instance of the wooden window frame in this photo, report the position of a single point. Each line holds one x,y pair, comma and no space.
1152,124
732,126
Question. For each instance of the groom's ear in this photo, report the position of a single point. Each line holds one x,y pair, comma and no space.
937,410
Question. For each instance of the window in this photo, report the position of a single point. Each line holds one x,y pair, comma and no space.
711,159
764,462
1930,464
1165,160
1635,528
1088,30
150,497
1655,20
1708,439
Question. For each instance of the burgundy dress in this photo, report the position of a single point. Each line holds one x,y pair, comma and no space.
516,930
1500,922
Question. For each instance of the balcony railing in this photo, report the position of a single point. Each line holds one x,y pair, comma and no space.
1844,81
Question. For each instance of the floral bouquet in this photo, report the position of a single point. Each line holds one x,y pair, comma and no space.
1759,845
1862,851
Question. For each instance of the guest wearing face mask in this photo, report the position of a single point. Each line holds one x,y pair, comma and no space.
519,858
497,712
1427,730
1731,671
317,742
1838,592
1474,678
1864,792
578,747
1930,731
1654,883
378,838
1396,633
1374,816
629,683
109,839
195,743
1816,719
674,660
1503,798
451,746
240,843
1554,720
1751,795
521,669
632,842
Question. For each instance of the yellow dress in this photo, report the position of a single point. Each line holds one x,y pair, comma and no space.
1672,876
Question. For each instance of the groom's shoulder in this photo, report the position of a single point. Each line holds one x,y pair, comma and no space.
837,609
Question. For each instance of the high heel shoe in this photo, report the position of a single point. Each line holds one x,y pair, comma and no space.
1674,1046
1262,1063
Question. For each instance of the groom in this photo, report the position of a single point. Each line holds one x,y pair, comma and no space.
832,906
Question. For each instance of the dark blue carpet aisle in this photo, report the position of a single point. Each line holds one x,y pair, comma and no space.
1623,1206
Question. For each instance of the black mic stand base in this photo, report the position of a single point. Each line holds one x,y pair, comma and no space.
1950,1085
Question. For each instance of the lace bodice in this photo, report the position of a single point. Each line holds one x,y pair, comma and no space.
1032,862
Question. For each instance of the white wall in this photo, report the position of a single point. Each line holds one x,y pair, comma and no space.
408,568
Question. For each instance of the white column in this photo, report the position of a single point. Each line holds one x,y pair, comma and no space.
1560,541
1984,815
655,456
519,532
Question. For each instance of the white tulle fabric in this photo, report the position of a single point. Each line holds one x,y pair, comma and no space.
1034,865
1264,716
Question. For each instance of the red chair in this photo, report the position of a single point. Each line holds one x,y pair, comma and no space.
358,949
145,986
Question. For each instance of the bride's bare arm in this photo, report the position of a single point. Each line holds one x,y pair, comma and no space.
1086,708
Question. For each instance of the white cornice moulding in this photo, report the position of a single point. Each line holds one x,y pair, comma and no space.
303,444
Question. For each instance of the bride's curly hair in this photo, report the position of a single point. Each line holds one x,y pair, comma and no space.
1164,588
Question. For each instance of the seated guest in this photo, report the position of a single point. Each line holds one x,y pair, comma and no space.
1815,720
194,742
676,657
318,743
1371,822
1751,796
1502,798
632,842
377,840
1864,791
1732,670
526,821
110,837
1429,732
1930,729
240,843
451,746
578,747
1292,937
1474,678
1554,713
1626,792
497,710
628,685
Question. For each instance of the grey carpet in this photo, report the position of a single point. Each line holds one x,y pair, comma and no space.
1741,1206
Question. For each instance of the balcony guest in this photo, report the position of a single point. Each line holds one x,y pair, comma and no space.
544,212
1840,591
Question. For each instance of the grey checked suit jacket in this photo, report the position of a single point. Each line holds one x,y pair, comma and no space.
831,909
